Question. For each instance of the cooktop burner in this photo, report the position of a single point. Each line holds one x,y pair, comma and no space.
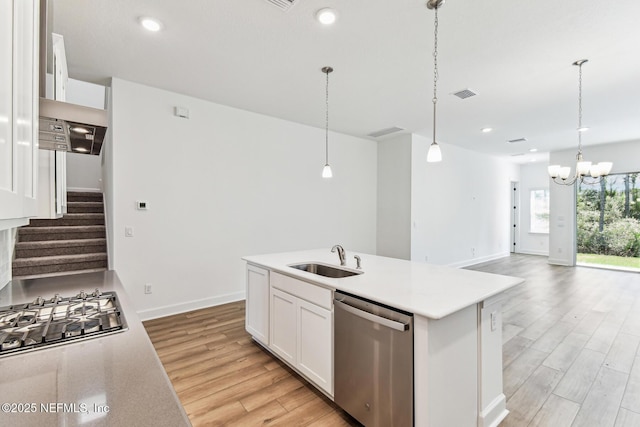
59,320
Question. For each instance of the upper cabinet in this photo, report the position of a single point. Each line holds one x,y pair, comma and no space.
19,98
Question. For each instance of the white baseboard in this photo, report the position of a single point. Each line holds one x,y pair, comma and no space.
560,261
84,190
168,310
479,260
532,252
492,415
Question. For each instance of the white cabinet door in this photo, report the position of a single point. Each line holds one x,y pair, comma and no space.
10,206
19,99
284,325
315,344
257,306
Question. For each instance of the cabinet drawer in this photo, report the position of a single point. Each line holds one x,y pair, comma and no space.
313,293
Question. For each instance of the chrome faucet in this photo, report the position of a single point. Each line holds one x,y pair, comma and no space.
358,262
341,255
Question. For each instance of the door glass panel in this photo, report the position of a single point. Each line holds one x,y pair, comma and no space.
608,222
6,83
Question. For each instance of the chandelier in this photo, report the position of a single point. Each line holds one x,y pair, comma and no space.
561,174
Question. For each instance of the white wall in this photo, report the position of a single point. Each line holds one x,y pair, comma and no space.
83,170
223,184
461,206
533,176
394,197
562,247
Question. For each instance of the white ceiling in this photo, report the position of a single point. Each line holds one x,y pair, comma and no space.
515,54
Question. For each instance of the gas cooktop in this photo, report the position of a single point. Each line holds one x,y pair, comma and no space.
44,323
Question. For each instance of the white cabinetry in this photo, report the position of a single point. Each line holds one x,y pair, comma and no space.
302,328
257,308
19,97
52,179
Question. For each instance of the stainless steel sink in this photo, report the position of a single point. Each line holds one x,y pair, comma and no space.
326,270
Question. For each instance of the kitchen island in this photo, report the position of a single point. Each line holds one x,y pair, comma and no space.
456,316
111,380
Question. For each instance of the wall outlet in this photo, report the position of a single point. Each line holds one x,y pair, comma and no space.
494,320
147,288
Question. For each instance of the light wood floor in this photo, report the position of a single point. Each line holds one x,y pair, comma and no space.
570,345
570,356
223,378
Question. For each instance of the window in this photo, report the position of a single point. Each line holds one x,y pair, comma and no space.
539,209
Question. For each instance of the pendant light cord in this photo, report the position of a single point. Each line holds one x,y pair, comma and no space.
580,108
326,122
435,71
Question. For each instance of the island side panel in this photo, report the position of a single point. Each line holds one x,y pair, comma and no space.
446,369
493,408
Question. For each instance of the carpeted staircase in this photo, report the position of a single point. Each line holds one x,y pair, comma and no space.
75,243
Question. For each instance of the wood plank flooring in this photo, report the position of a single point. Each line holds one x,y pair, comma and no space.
571,340
224,378
571,356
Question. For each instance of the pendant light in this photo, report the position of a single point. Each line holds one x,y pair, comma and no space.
560,174
326,171
434,154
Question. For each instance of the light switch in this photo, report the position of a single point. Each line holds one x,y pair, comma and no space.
128,231
494,320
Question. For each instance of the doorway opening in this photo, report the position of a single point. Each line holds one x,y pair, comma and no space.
608,222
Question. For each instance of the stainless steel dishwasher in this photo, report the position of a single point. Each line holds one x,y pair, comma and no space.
373,362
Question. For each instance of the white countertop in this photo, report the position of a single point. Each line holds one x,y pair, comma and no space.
121,371
424,289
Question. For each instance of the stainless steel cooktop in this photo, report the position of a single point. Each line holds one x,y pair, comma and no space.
58,320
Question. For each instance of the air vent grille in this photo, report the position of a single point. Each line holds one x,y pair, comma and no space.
465,93
517,155
383,132
284,5
515,141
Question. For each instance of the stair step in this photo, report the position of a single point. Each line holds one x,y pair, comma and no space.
61,259
84,196
70,219
31,234
55,264
85,207
59,273
59,247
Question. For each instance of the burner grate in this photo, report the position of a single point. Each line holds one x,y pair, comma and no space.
25,327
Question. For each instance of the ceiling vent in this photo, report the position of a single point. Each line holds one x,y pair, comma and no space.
383,132
284,5
465,93
517,155
515,141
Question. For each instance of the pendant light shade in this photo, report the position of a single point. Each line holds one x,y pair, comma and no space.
326,171
434,154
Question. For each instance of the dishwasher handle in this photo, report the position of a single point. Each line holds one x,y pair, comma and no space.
398,326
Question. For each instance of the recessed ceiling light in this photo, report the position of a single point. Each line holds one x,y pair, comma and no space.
533,150
79,129
486,130
583,129
326,16
81,149
150,24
